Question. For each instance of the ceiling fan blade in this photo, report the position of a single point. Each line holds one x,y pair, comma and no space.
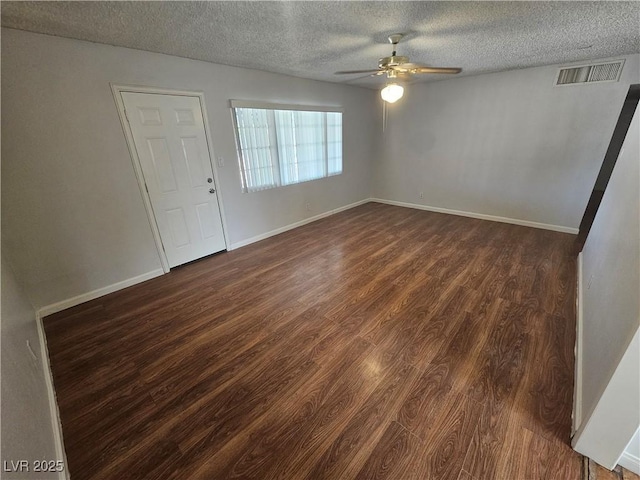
417,68
421,69
351,72
360,77
408,65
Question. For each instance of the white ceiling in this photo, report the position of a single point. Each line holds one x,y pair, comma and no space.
314,39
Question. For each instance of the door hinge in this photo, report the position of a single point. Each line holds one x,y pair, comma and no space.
126,115
146,188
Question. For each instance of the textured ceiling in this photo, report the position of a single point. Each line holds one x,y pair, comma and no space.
315,39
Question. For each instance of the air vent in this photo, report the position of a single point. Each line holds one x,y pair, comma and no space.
599,72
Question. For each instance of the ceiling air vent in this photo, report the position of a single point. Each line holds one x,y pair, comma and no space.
599,72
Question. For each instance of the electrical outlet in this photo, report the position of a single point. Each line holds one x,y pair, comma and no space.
307,206
421,194
220,161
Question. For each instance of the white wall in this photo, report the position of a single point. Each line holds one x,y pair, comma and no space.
631,456
607,430
507,144
73,219
27,432
611,312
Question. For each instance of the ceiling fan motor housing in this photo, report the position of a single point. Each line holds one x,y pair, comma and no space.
392,61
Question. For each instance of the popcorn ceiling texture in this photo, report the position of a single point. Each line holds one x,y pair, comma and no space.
315,39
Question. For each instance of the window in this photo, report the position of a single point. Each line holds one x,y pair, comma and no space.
282,145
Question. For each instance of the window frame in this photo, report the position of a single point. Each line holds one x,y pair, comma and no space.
272,107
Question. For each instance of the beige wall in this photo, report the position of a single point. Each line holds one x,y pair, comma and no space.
73,220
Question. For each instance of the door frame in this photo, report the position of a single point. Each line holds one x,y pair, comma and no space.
117,90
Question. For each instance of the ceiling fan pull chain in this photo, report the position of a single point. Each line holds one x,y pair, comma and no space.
384,116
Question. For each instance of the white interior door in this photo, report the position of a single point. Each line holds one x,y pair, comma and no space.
169,136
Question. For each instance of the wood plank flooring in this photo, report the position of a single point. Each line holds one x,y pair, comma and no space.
378,343
593,471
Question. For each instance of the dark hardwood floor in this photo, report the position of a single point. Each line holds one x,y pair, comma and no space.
381,342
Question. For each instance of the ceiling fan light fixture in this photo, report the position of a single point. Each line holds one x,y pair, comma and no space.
392,92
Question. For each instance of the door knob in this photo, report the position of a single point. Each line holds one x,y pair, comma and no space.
209,180
212,190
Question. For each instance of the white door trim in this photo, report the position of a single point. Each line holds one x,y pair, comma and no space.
117,90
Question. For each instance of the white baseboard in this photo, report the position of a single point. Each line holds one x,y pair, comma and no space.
291,226
85,297
576,415
630,462
481,216
56,424
44,352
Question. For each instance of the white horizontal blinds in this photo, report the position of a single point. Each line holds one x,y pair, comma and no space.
334,142
287,146
256,149
300,145
309,128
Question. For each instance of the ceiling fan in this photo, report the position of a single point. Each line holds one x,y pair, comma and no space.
397,66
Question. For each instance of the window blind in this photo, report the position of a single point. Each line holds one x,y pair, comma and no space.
278,147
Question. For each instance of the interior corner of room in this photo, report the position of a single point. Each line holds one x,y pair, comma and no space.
506,146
